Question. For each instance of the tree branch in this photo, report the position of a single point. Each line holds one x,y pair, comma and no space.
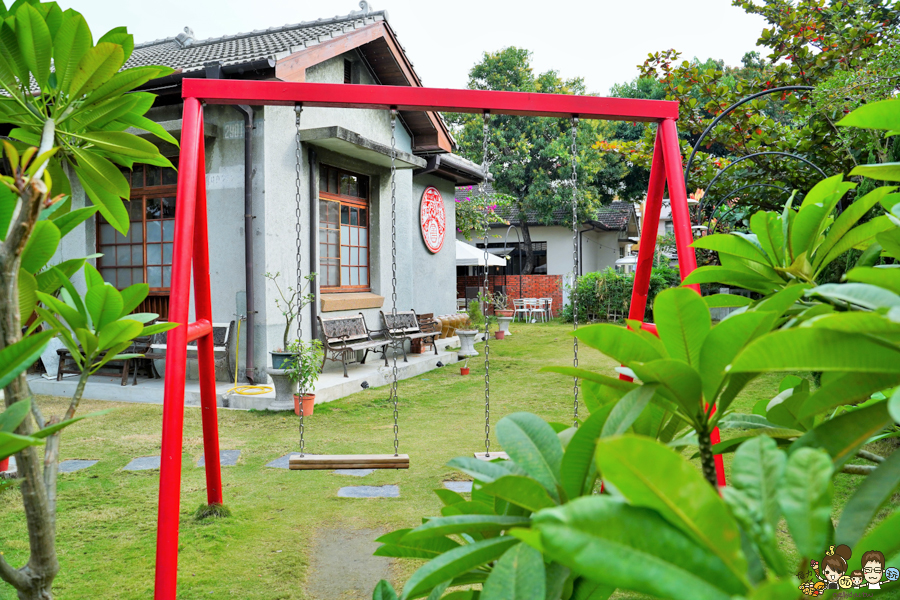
12,576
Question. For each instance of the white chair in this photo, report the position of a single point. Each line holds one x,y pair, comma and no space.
520,309
548,304
461,305
535,308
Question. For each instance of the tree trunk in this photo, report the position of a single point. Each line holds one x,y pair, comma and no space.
528,267
707,460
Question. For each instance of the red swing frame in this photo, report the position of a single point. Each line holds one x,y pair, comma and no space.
192,245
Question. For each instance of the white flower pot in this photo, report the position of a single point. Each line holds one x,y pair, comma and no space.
504,324
467,342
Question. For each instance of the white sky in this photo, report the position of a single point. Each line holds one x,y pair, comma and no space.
601,40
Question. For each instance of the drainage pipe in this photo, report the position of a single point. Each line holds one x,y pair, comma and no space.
313,241
247,112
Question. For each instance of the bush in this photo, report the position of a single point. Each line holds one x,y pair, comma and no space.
606,295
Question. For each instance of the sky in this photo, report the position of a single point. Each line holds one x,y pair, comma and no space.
602,41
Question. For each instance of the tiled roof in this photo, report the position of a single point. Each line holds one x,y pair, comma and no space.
611,217
275,42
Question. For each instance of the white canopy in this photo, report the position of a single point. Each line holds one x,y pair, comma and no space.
470,256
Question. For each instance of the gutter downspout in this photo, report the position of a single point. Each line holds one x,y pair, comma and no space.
313,240
214,70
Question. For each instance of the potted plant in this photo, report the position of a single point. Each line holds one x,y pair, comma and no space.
290,302
464,370
303,368
503,313
467,333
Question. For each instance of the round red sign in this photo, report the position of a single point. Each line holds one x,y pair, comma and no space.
434,220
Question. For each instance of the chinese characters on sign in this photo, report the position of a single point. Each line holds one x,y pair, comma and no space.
434,220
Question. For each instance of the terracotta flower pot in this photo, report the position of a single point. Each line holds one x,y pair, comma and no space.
499,335
504,313
464,370
309,404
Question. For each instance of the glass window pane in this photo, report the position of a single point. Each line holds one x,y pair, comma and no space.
345,215
167,254
169,176
137,176
109,255
168,231
332,181
108,275
364,276
137,255
345,255
136,232
363,256
152,175
107,234
167,276
323,236
137,276
323,211
363,187
362,217
345,234
120,238
154,276
154,231
135,208
345,275
333,279
323,177
334,237
333,209
354,215
363,237
168,208
127,175
123,278
123,255
354,236
153,208
354,276
154,254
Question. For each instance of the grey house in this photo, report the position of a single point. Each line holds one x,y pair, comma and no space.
253,194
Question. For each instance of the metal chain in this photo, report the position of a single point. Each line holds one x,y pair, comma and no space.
394,269
487,348
575,257
298,109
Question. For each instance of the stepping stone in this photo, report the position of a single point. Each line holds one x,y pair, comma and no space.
281,463
70,466
342,564
227,458
459,486
143,463
354,472
370,491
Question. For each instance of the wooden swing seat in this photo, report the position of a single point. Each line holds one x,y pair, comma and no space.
310,462
494,456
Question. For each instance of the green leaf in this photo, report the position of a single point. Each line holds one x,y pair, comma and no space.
578,460
726,301
109,204
867,296
13,416
724,342
158,328
72,316
133,295
103,172
633,548
585,589
9,49
846,388
72,219
481,470
122,143
778,589
767,227
8,203
734,245
534,447
149,126
395,546
805,498
40,247
443,526
92,277
678,381
652,475
27,294
813,349
10,443
888,279
51,429
863,506
731,277
881,172
125,81
384,591
95,68
890,241
35,43
454,563
104,303
627,410
518,575
623,345
449,497
858,237
683,321
116,332
521,491
16,358
72,40
843,435
885,537
884,114
585,374
780,435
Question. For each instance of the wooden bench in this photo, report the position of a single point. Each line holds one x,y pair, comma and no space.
408,326
140,345
343,335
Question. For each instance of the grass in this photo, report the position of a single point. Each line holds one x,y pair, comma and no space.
107,517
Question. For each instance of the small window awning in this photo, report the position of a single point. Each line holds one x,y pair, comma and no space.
470,256
349,143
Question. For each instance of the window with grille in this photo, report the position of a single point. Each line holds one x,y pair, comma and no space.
343,230
144,254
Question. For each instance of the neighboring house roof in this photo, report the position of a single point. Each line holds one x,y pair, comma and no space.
610,217
287,52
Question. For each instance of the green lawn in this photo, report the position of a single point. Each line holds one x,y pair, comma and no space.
107,517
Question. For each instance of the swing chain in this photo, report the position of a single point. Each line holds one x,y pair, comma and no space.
485,166
575,257
298,109
394,270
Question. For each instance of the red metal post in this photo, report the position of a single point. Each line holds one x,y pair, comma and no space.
681,217
203,304
176,355
649,232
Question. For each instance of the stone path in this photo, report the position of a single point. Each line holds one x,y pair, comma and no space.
369,491
354,472
227,458
459,486
70,466
281,463
143,463
342,565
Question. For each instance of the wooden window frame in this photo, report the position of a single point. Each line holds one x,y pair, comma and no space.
355,202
